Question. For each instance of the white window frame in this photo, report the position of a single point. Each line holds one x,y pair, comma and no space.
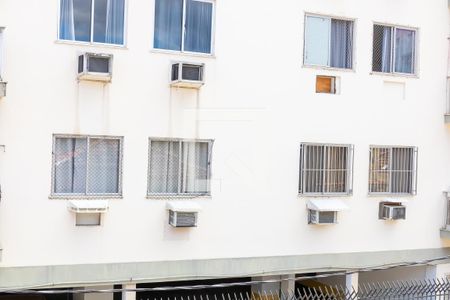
413,172
415,59
2,49
91,42
181,171
349,168
86,194
330,17
183,32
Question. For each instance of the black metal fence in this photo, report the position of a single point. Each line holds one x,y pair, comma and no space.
424,289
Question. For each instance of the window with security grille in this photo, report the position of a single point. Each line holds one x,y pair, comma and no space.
394,49
86,165
328,42
179,167
393,170
325,169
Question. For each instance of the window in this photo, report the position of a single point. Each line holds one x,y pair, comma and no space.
325,169
179,167
393,170
393,50
1,52
183,25
326,84
328,42
87,165
94,21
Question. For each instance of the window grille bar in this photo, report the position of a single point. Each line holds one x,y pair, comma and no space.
88,145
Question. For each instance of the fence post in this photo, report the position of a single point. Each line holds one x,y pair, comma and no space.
288,284
129,295
352,282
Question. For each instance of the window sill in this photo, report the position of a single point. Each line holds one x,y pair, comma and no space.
178,196
88,44
84,197
325,68
390,195
180,53
318,195
395,75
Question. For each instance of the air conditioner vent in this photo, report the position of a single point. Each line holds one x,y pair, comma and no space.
187,75
2,88
182,219
392,211
95,67
322,217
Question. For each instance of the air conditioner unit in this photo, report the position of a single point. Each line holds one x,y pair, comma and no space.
183,214
187,75
324,211
2,88
322,217
95,67
392,211
88,212
182,219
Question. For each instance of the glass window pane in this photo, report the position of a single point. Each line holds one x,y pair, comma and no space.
314,168
382,49
109,21
317,41
70,165
195,166
198,26
380,170
402,168
341,44
168,24
81,20
104,160
336,170
164,167
404,51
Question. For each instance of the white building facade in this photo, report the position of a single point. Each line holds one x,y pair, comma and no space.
251,120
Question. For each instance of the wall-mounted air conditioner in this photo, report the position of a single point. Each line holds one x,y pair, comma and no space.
183,214
324,211
88,212
95,67
322,217
392,211
187,75
2,88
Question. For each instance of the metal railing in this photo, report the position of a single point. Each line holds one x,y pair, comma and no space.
423,289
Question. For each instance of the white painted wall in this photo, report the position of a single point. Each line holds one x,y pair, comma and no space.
258,104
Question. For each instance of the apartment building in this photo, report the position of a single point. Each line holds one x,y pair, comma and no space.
153,141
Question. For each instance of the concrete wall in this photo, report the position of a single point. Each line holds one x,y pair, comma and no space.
400,273
258,104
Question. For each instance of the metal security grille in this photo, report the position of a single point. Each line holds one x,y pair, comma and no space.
325,169
86,166
393,170
394,49
424,289
179,167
